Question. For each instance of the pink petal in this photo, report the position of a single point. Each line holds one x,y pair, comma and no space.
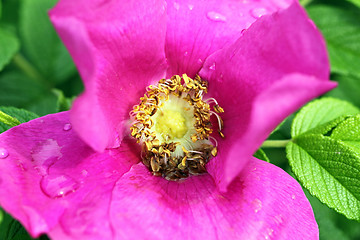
264,202
196,29
54,183
272,70
118,48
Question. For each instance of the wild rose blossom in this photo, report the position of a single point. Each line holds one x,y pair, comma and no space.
78,175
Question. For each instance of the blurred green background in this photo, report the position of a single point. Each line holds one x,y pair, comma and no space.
38,74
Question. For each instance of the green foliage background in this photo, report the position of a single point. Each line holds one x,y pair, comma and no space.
37,74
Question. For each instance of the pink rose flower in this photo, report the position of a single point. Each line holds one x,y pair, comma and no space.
84,180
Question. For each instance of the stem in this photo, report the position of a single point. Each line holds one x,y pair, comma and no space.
275,143
8,120
29,70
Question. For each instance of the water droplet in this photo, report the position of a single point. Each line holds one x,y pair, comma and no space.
200,61
84,173
242,31
258,12
176,5
212,67
221,78
3,153
293,197
45,154
257,205
55,186
269,232
67,127
216,17
186,53
191,7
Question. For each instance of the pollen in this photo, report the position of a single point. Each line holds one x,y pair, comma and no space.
173,124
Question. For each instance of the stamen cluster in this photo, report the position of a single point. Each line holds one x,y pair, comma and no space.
163,153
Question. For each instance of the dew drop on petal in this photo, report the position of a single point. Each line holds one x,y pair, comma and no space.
216,17
293,197
200,61
3,153
258,12
84,173
45,154
268,233
212,67
257,205
55,186
221,78
186,53
67,127
176,5
191,6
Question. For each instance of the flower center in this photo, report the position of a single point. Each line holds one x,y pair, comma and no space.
172,123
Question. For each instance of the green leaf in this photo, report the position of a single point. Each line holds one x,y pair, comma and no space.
10,13
17,89
20,114
41,43
326,219
63,103
8,120
340,25
355,2
348,88
329,169
260,154
349,132
9,46
20,91
10,229
305,2
1,212
324,153
321,113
